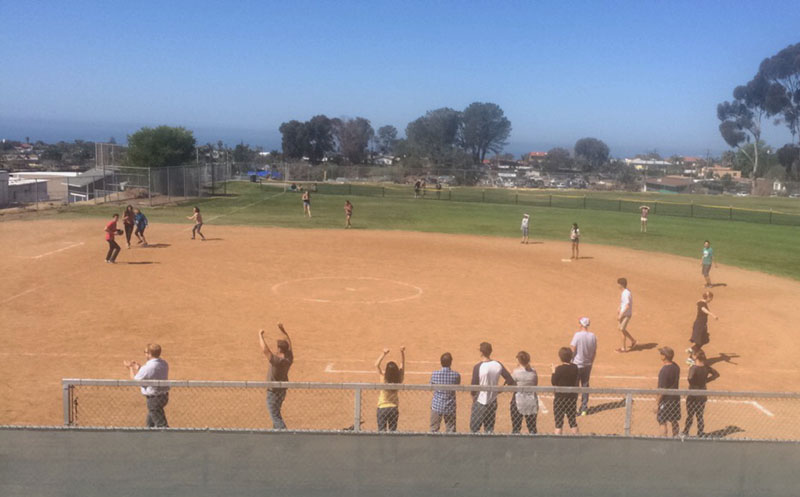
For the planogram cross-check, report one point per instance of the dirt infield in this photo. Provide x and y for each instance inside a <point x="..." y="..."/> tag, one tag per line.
<point x="344" y="295"/>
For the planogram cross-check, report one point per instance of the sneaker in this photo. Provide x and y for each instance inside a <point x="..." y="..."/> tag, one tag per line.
<point x="690" y="361"/>
<point x="689" y="351"/>
<point x="584" y="413"/>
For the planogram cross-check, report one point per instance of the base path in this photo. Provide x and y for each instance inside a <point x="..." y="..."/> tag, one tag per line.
<point x="345" y="295"/>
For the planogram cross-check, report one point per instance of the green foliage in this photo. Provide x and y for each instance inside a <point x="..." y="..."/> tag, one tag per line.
<point x="354" y="136"/>
<point x="160" y="147"/>
<point x="557" y="159"/>
<point x="386" y="139"/>
<point x="484" y="128"/>
<point x="592" y="152"/>
<point x="434" y="135"/>
<point x="313" y="139"/>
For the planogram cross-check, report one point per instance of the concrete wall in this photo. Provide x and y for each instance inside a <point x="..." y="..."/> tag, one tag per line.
<point x="3" y="188"/>
<point x="176" y="463"/>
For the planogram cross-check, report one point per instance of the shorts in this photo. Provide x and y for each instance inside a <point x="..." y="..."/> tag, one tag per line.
<point x="565" y="406"/>
<point x="644" y="219"/>
<point x="140" y="230"/>
<point x="668" y="411"/>
<point x="525" y="231"/>
<point x="306" y="203"/>
<point x="575" y="240"/>
<point x="706" y="269"/>
<point x="623" y="323"/>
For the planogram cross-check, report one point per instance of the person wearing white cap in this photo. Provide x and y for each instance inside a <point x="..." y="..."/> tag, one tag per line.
<point x="584" y="349"/>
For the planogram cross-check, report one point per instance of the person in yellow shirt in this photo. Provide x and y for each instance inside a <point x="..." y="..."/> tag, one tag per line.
<point x="388" y="400"/>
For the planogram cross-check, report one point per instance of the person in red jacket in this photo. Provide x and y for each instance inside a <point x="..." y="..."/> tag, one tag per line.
<point x="113" y="247"/>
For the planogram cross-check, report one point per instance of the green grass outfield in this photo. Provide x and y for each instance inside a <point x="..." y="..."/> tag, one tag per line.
<point x="764" y="247"/>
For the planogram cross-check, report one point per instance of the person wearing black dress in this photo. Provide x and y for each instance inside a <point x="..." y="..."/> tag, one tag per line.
<point x="700" y="334"/>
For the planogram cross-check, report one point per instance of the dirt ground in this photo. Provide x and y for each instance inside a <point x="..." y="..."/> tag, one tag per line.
<point x="345" y="295"/>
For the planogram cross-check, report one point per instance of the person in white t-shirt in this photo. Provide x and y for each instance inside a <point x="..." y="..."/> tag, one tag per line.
<point x="157" y="397"/>
<point x="484" y="406"/>
<point x="524" y="227"/>
<point x="624" y="315"/>
<point x="584" y="350"/>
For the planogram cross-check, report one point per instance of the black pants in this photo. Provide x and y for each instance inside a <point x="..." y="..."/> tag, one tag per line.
<point x="128" y="231"/>
<point x="565" y="406"/>
<point x="113" y="251"/>
<point x="387" y="418"/>
<point x="516" y="419"/>
<point x="155" y="411"/>
<point x="695" y="408"/>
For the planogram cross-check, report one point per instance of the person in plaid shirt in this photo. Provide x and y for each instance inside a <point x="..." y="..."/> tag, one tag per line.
<point x="443" y="404"/>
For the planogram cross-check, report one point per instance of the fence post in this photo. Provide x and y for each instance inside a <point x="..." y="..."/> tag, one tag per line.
<point x="730" y="213"/>
<point x="628" y="413"/>
<point x="183" y="168"/>
<point x="655" y="207"/>
<point x="357" y="410"/>
<point x="149" y="187"/>
<point x="87" y="194"/>
<point x="383" y="191"/>
<point x="516" y="198"/>
<point x="770" y="216"/>
<point x="349" y="188"/>
<point x="168" y="196"/>
<point x="483" y="195"/>
<point x="550" y="201"/>
<point x="691" y="209"/>
<point x="584" y="201"/>
<point x="619" y="205"/>
<point x="450" y="194"/>
<point x="66" y="403"/>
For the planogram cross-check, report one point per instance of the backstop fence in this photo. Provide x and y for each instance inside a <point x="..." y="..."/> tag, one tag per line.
<point x="459" y="408"/>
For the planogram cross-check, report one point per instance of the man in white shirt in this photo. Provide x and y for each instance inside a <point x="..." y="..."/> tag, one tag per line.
<point x="624" y="315"/>
<point x="584" y="349"/>
<point x="484" y="406"/>
<point x="157" y="397"/>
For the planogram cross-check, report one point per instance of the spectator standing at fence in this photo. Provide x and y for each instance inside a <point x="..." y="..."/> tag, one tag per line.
<point x="624" y="315"/>
<point x="307" y="203"/>
<point x="645" y="210"/>
<point x="141" y="223"/>
<point x="279" y="364"/>
<point x="417" y="185"/>
<point x="699" y="375"/>
<point x="707" y="260"/>
<point x="198" y="223"/>
<point x="155" y="368"/>
<point x="524" y="405"/>
<point x="564" y="404"/>
<point x="484" y="406"/>
<point x="524" y="227"/>
<point x="575" y="238"/>
<point x="584" y="350"/>
<point x="700" y="335"/>
<point x="388" y="399"/>
<point x="348" y="213"/>
<point x="668" y="407"/>
<point x="113" y="248"/>
<point x="443" y="404"/>
<point x="128" y="221"/>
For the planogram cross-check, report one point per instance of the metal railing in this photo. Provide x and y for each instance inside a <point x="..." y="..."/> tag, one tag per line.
<point x="353" y="407"/>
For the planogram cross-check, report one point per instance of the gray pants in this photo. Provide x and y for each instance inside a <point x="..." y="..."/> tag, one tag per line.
<point x="155" y="411"/>
<point x="583" y="375"/>
<point x="449" y="421"/>
<point x="274" y="402"/>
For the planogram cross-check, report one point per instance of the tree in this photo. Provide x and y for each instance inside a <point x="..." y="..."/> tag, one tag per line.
<point x="789" y="157"/>
<point x="354" y="136"/>
<point x="435" y="134"/>
<point x="743" y="115"/>
<point x="593" y="152"/>
<point x="782" y="72"/>
<point x="484" y="128"/>
<point x="160" y="147"/>
<point x="243" y="153"/>
<point x="387" y="137"/>
<point x="557" y="159"/>
<point x="293" y="139"/>
<point x="319" y="138"/>
<point x="727" y="181"/>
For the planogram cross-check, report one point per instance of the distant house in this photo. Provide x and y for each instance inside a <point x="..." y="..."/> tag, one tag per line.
<point x="15" y="190"/>
<point x="717" y="172"/>
<point x="668" y="184"/>
<point x="89" y="184"/>
<point x="648" y="164"/>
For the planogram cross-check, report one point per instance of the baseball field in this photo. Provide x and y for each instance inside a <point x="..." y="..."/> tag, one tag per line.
<point x="432" y="276"/>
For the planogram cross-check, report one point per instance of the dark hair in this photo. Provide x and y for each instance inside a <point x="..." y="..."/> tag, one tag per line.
<point x="129" y="208"/>
<point x="623" y="282"/>
<point x="446" y="359"/>
<point x="196" y="209"/>
<point x="700" y="355"/>
<point x="283" y="346"/>
<point x="486" y="349"/>
<point x="115" y="214"/>
<point x="574" y="225"/>
<point x="708" y="295"/>
<point x="524" y="358"/>
<point x="392" y="373"/>
<point x="565" y="354"/>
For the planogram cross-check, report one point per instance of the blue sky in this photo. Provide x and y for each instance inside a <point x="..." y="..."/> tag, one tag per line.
<point x="639" y="75"/>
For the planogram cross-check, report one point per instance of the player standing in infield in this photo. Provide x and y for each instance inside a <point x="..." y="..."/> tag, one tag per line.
<point x="624" y="315"/>
<point x="113" y="247"/>
<point x="524" y="227"/>
<point x="575" y="237"/>
<point x="198" y="223"/>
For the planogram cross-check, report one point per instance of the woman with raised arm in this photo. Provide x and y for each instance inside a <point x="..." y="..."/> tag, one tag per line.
<point x="388" y="399"/>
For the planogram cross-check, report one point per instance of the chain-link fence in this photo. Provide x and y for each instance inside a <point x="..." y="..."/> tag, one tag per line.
<point x="412" y="409"/>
